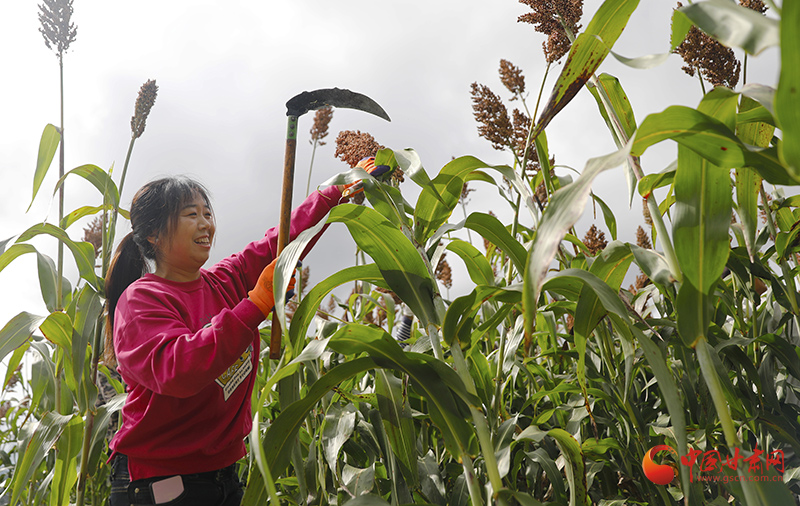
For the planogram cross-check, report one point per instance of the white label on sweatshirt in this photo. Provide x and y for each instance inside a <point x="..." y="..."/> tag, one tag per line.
<point x="237" y="373"/>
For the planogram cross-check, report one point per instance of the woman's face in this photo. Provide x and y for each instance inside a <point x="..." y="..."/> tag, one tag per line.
<point x="180" y="256"/>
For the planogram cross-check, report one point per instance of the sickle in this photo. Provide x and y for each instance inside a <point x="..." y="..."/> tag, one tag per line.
<point x="296" y="107"/>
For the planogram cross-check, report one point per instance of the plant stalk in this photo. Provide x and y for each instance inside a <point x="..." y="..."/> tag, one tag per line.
<point x="498" y="377"/>
<point x="109" y="243"/>
<point x="436" y="343"/>
<point x="481" y="427"/>
<point x="59" y="281"/>
<point x="523" y="163"/>
<point x="311" y="167"/>
<point x="60" y="265"/>
<point x="88" y="427"/>
<point x="715" y="389"/>
<point x="473" y="485"/>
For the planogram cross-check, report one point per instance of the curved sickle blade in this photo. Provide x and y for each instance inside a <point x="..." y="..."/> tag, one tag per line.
<point x="334" y="97"/>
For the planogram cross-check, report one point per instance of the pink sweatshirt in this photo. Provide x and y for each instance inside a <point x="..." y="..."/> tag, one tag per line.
<point x="188" y="352"/>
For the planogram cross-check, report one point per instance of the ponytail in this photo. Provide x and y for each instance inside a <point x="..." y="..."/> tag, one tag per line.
<point x="127" y="266"/>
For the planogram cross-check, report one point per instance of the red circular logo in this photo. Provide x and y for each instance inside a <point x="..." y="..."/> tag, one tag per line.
<point x="660" y="474"/>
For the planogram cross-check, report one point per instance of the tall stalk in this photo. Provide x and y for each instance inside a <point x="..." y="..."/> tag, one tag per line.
<point x="60" y="264"/>
<point x="58" y="33"/>
<point x="528" y="143"/>
<point x="144" y="103"/>
<point x="319" y="131"/>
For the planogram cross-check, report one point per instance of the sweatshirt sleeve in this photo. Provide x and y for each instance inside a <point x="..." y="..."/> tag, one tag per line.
<point x="244" y="268"/>
<point x="156" y="349"/>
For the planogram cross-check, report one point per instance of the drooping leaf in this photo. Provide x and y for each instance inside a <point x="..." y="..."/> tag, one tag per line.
<point x="787" y="354"/>
<point x="542" y="153"/>
<point x="652" y="182"/>
<point x="438" y="199"/>
<point x="287" y="264"/>
<point x="480" y="272"/>
<point x="388" y="201"/>
<point x="575" y="469"/>
<point x="357" y="480"/>
<point x="492" y="229"/>
<point x="262" y="483"/>
<point x="703" y="134"/>
<point x="399" y="261"/>
<point x="87" y="315"/>
<point x="43" y="377"/>
<point x="13" y="363"/>
<point x="431" y="482"/>
<point x="734" y="25"/>
<point x="308" y="307"/>
<point x="409" y="160"/>
<point x="502" y="445"/>
<point x="610" y="87"/>
<point x="586" y="54"/>
<point x="98" y="178"/>
<point x="711" y="139"/>
<point x="550" y="468"/>
<point x="48" y="144"/>
<point x="310" y="353"/>
<point x="563" y="212"/>
<point x="644" y="62"/>
<point x="82" y="252"/>
<point x="82" y="212"/>
<point x="18" y="330"/>
<point x="13" y="252"/>
<point x="764" y="95"/>
<point x="459" y="319"/>
<point x="100" y="430"/>
<point x="653" y="265"/>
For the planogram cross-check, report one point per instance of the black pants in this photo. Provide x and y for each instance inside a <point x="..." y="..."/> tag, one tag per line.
<point x="215" y="488"/>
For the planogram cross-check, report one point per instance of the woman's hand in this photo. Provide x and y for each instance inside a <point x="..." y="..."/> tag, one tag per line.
<point x="262" y="295"/>
<point x="368" y="164"/>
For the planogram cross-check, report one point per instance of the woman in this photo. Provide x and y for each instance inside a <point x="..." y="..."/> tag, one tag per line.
<point x="187" y="345"/>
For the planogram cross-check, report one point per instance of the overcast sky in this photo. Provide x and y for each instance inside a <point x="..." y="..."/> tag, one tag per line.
<point x="225" y="71"/>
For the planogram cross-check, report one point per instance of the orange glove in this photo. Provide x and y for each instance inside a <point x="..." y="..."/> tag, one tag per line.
<point x="262" y="295"/>
<point x="368" y="164"/>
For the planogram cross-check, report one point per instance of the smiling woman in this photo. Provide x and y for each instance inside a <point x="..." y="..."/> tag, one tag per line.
<point x="186" y="343"/>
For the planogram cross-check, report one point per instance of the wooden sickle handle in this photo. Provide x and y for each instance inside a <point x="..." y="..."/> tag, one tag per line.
<point x="285" y="223"/>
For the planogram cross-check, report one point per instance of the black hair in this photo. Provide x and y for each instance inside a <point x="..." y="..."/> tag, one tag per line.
<point x="154" y="213"/>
